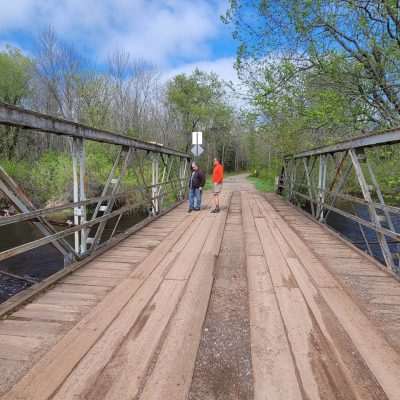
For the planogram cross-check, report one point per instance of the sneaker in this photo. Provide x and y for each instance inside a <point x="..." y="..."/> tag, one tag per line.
<point x="190" y="210"/>
<point x="196" y="209"/>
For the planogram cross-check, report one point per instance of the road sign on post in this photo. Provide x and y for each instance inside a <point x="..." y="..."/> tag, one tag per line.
<point x="197" y="141"/>
<point x="197" y="150"/>
<point x="197" y="137"/>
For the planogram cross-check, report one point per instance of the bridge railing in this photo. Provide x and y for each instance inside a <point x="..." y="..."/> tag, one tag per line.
<point x="339" y="182"/>
<point x="160" y="183"/>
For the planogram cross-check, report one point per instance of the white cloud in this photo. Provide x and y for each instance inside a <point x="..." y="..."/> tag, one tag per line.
<point x="154" y="30"/>
<point x="222" y="67"/>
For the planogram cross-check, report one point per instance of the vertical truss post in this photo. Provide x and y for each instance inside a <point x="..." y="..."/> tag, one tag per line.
<point x="309" y="186"/>
<point x="116" y="184"/>
<point x="182" y="178"/>
<point x="165" y="179"/>
<point x="355" y="158"/>
<point x="295" y="181"/>
<point x="341" y="182"/>
<point x="108" y="183"/>
<point x="281" y="180"/>
<point x="362" y="230"/>
<point x="78" y="169"/>
<point x="290" y="178"/>
<point x="180" y="194"/>
<point x="380" y="196"/>
<point x="321" y="187"/>
<point x="155" y="184"/>
<point x="186" y="163"/>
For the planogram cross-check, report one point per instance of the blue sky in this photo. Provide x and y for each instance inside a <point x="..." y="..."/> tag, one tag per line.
<point x="175" y="35"/>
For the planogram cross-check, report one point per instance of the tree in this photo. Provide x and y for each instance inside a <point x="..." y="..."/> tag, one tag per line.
<point x="198" y="100"/>
<point x="366" y="34"/>
<point x="15" y="76"/>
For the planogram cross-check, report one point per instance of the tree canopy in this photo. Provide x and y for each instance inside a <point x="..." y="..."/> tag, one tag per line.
<point x="318" y="71"/>
<point x="15" y="74"/>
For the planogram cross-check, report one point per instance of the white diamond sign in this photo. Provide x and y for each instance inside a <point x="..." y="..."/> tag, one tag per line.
<point x="197" y="150"/>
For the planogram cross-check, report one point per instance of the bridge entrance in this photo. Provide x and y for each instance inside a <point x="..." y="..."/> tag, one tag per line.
<point x="305" y="315"/>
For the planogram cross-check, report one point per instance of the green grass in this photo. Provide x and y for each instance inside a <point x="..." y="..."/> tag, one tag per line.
<point x="263" y="184"/>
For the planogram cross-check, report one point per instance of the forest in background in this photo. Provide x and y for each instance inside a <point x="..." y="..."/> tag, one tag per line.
<point x="310" y="72"/>
<point x="128" y="96"/>
<point x="317" y="72"/>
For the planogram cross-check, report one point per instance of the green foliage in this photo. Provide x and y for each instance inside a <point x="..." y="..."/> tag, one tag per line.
<point x="48" y="178"/>
<point x="263" y="179"/>
<point x="198" y="100"/>
<point x="15" y="73"/>
<point x="194" y="97"/>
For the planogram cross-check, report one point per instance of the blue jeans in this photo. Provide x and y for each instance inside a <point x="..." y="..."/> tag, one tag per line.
<point x="194" y="198"/>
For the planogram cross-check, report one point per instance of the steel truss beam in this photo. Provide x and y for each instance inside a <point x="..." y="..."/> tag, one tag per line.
<point x="84" y="243"/>
<point x="355" y="158"/>
<point x="24" y="119"/>
<point x="347" y="157"/>
<point x="373" y="140"/>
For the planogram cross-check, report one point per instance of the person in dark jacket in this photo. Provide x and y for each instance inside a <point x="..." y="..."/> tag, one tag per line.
<point x="196" y="184"/>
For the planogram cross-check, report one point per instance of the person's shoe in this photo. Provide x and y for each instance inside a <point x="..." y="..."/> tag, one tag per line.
<point x="196" y="209"/>
<point x="214" y="211"/>
<point x="190" y="210"/>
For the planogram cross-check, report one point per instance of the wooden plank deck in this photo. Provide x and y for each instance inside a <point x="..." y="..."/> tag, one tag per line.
<point x="324" y="318"/>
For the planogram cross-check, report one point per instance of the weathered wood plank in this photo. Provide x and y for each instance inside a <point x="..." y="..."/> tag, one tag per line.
<point x="280" y="272"/>
<point x="17" y="348"/>
<point x="274" y="370"/>
<point x="48" y="374"/>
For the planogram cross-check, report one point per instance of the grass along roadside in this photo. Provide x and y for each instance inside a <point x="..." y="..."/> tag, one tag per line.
<point x="264" y="184"/>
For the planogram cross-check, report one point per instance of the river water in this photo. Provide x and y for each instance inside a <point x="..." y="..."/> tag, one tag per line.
<point x="39" y="263"/>
<point x="352" y="231"/>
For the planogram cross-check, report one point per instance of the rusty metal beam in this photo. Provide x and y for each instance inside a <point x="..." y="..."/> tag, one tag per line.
<point x="375" y="139"/>
<point x="26" y="119"/>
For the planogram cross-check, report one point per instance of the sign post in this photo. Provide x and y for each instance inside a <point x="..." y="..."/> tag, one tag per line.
<point x="197" y="141"/>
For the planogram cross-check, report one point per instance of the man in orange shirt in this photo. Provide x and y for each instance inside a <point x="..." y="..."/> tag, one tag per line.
<point x="217" y="179"/>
